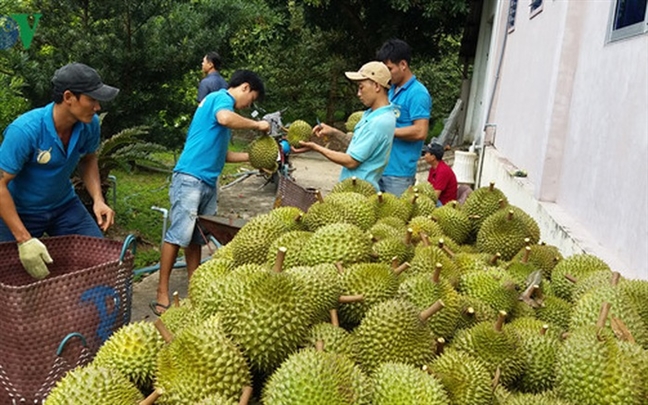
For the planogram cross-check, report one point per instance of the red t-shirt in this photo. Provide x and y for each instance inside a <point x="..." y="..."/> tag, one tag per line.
<point x="444" y="179"/>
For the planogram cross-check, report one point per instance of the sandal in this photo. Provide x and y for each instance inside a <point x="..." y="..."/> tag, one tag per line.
<point x="154" y="305"/>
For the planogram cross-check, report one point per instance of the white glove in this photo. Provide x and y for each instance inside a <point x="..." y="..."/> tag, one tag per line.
<point x="33" y="255"/>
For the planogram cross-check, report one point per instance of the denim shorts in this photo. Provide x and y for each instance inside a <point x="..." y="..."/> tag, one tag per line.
<point x="190" y="197"/>
<point x="71" y="218"/>
<point x="395" y="185"/>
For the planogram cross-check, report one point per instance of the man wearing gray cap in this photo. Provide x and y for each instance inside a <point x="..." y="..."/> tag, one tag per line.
<point x="41" y="149"/>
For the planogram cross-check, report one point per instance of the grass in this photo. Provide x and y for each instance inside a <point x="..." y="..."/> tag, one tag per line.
<point x="136" y="192"/>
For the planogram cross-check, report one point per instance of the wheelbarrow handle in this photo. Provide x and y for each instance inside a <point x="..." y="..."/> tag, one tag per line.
<point x="130" y="241"/>
<point x="68" y="337"/>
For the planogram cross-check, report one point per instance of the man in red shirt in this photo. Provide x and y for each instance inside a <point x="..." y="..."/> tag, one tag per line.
<point x="441" y="175"/>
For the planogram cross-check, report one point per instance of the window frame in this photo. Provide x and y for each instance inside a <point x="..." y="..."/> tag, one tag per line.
<point x="625" y="32"/>
<point x="537" y="10"/>
<point x="513" y="5"/>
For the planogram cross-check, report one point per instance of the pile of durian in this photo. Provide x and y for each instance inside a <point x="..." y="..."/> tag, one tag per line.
<point x="368" y="298"/>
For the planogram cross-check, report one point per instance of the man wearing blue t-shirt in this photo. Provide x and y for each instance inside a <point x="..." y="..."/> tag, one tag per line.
<point x="41" y="149"/>
<point x="413" y="104"/>
<point x="368" y="152"/>
<point x="212" y="81"/>
<point x="195" y="176"/>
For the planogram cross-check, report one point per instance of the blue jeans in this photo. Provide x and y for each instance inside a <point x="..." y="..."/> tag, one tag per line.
<point x="69" y="219"/>
<point x="190" y="197"/>
<point x="395" y="185"/>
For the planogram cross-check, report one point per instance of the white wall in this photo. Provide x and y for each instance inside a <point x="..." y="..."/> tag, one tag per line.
<point x="573" y="111"/>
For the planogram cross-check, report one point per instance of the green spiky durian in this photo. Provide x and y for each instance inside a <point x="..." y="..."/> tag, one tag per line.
<point x="355" y="208"/>
<point x="337" y="242"/>
<point x="201" y="361"/>
<point x="251" y="242"/>
<point x="505" y="232"/>
<point x="322" y="287"/>
<point x="292" y="217"/>
<point x="311" y="377"/>
<point x="263" y="152"/>
<point x="424" y="224"/>
<point x="298" y="130"/>
<point x="352" y="120"/>
<point x="474" y="311"/>
<point x="423" y="188"/>
<point x="394" y="330"/>
<point x="389" y="248"/>
<point x="397" y="383"/>
<point x="132" y="350"/>
<point x="419" y="204"/>
<point x="577" y="266"/>
<point x="388" y="205"/>
<point x="204" y="275"/>
<point x="495" y="287"/>
<point x="544" y="257"/>
<point x="483" y="202"/>
<point x="355" y="185"/>
<point x="334" y="338"/>
<point x="381" y="230"/>
<point x="217" y="399"/>
<point x="465" y="378"/>
<point x="556" y="311"/>
<point x="545" y="398"/>
<point x="293" y="241"/>
<point x="453" y="221"/>
<point x="426" y="259"/>
<point x="92" y="385"/>
<point x="178" y="317"/>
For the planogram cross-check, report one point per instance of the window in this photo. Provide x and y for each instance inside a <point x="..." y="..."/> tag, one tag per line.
<point x="536" y="8"/>
<point x="511" y="15"/>
<point x="629" y="17"/>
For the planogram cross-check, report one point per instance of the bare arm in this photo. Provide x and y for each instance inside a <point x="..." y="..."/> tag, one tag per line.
<point x="416" y="132"/>
<point x="236" y="157"/>
<point x="232" y="120"/>
<point x="340" y="158"/>
<point x="327" y="130"/>
<point x="89" y="169"/>
<point x="8" y="211"/>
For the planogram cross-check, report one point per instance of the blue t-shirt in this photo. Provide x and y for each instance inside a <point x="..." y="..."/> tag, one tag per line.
<point x="209" y="84"/>
<point x="205" y="150"/>
<point x="370" y="145"/>
<point x="412" y="102"/>
<point x="33" y="151"/>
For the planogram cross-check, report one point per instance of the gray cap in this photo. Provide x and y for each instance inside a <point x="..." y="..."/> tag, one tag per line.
<point x="82" y="79"/>
<point x="434" y="149"/>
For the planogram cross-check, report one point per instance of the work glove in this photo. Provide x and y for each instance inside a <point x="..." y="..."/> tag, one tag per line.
<point x="33" y="256"/>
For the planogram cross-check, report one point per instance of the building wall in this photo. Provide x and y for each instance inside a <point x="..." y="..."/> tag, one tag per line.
<point x="572" y="110"/>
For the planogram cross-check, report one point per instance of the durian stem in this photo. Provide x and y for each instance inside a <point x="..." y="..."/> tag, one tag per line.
<point x="445" y="248"/>
<point x="433" y="309"/>
<point x="510" y="215"/>
<point x="246" y="395"/>
<point x="603" y="314"/>
<point x="571" y="278"/>
<point x="543" y="330"/>
<point x="164" y="332"/>
<point x="354" y="180"/>
<point x="408" y="236"/>
<point x="437" y="273"/>
<point x="527" y="253"/>
<point x="470" y="311"/>
<point x="496" y="378"/>
<point x="279" y="261"/>
<point x="277" y="202"/>
<point x="501" y="203"/>
<point x="349" y="299"/>
<point x="501" y="316"/>
<point x="424" y="239"/>
<point x="494" y="259"/>
<point x="491" y="186"/>
<point x="538" y="292"/>
<point x="616" y="276"/>
<point x="440" y="346"/>
<point x="150" y="400"/>
<point x="527" y="241"/>
<point x="318" y="195"/>
<point x="394" y="262"/>
<point x="339" y="267"/>
<point x="380" y="197"/>
<point x="414" y="199"/>
<point x="335" y="321"/>
<point x="176" y="299"/>
<point x="319" y="345"/>
<point x="401" y="268"/>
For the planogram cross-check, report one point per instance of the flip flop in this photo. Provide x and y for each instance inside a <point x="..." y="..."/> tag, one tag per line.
<point x="154" y="305"/>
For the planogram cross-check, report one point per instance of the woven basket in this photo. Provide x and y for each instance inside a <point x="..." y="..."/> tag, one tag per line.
<point x="292" y="194"/>
<point x="52" y="325"/>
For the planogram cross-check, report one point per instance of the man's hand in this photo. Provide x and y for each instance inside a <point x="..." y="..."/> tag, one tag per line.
<point x="33" y="256"/>
<point x="263" y="126"/>
<point x="104" y="214"/>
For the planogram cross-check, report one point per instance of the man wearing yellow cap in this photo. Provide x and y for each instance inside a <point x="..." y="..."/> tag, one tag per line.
<point x="368" y="153"/>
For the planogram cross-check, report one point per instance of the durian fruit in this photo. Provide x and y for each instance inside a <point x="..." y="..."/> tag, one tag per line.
<point x="355" y="185"/>
<point x="542" y="256"/>
<point x="376" y="282"/>
<point x="352" y="120"/>
<point x="470" y="262"/>
<point x="539" y="347"/>
<point x="92" y="385"/>
<point x="473" y="311"/>
<point x="545" y="398"/>
<point x="425" y="290"/>
<point x="337" y="242"/>
<point x="293" y="241"/>
<point x="181" y="314"/>
<point x="332" y="337"/>
<point x="426" y="260"/>
<point x="591" y="281"/>
<point x="637" y="291"/>
<point x="556" y="311"/>
<point x="424" y="225"/>
<point x="310" y="377"/>
<point x="299" y="130"/>
<point x="389" y="248"/>
<point x="292" y="217"/>
<point x="388" y="205"/>
<point x="322" y="287"/>
<point x="496" y="347"/>
<point x="394" y="221"/>
<point x="201" y="361"/>
<point x="251" y="242"/>
<point x="267" y="316"/>
<point x="494" y="287"/>
<point x="593" y="368"/>
<point x="381" y="230"/>
<point x="397" y="383"/>
<point x="572" y="269"/>
<point x="217" y="399"/>
<point x="355" y="208"/>
<point x="395" y="330"/>
<point x="465" y="378"/>
<point x="203" y="276"/>
<point x="505" y="232"/>
<point x="423" y="188"/>
<point x="483" y="202"/>
<point x="419" y="204"/>
<point x="132" y="350"/>
<point x="264" y="152"/>
<point x="453" y="221"/>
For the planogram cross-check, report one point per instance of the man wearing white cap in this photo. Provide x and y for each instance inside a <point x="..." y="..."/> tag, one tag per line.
<point x="41" y="149"/>
<point x="368" y="153"/>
